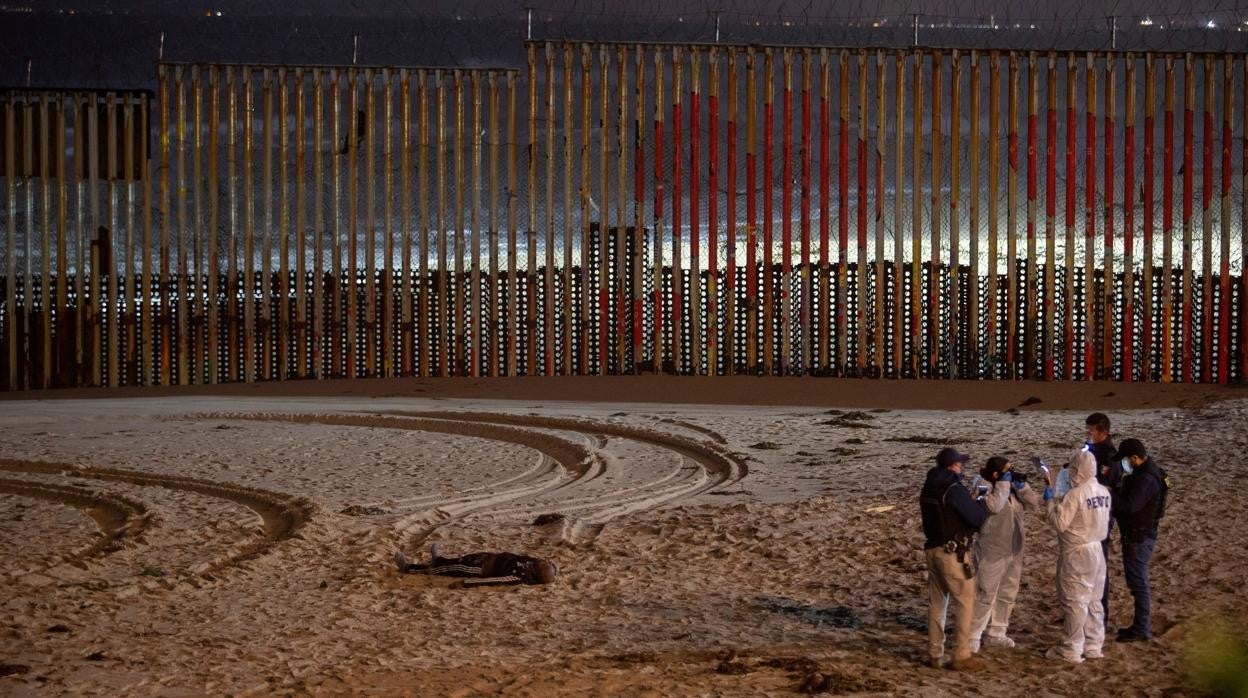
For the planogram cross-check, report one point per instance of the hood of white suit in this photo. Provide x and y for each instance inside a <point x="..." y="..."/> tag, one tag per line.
<point x="1082" y="468"/>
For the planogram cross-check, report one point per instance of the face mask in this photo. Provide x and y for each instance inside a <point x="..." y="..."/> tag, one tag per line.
<point x="1126" y="466"/>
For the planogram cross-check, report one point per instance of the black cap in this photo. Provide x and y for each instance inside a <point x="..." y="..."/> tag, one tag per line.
<point x="949" y="456"/>
<point x="1132" y="447"/>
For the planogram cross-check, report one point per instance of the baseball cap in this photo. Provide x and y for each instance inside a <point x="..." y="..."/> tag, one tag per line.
<point x="1132" y="447"/>
<point x="949" y="456"/>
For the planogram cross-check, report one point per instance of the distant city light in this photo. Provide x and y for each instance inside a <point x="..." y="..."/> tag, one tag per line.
<point x="1210" y="25"/>
<point x="1146" y="22"/>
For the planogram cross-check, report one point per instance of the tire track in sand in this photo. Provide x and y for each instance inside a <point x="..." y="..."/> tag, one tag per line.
<point x="119" y="519"/>
<point x="282" y="515"/>
<point x="562" y="463"/>
<point x="715" y="466"/>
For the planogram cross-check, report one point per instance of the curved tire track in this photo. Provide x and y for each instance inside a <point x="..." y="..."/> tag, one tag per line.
<point x="714" y="435"/>
<point x="726" y="467"/>
<point x="564" y="463"/>
<point x="717" y="467"/>
<point x="281" y="514"/>
<point x="118" y="518"/>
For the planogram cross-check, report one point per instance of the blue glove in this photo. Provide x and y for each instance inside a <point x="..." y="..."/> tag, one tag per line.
<point x="1007" y="476"/>
<point x="1048" y="493"/>
<point x="1019" y="485"/>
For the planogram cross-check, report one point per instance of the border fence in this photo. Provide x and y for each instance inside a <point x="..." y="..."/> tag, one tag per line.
<point x="617" y="208"/>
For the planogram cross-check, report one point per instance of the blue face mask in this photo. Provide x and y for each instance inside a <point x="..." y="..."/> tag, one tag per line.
<point x="1126" y="466"/>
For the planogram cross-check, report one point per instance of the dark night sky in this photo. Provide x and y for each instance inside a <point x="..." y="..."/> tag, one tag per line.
<point x="114" y="43"/>
<point x="1070" y="9"/>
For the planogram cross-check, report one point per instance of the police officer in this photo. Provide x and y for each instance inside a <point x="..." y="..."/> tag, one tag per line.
<point x="1109" y="474"/>
<point x="1138" y="508"/>
<point x="950" y="520"/>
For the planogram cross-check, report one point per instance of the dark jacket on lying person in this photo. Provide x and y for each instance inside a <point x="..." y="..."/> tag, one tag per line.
<point x="486" y="569"/>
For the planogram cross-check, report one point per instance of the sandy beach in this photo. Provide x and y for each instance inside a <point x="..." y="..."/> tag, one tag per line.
<point x="727" y="536"/>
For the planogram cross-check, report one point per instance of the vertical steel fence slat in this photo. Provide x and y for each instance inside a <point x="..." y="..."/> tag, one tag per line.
<point x="1089" y="234"/>
<point x="1206" y="227"/>
<point x="1010" y="323"/>
<point x="1049" y="334"/>
<point x="1148" y="346"/>
<point x="767" y="193"/>
<point x="513" y="186"/>
<point x="1224" y="211"/>
<point x="582" y="349"/>
<point x="695" y="230"/>
<point x="1107" y="266"/>
<point x="1129" y="200"/>
<point x="786" y="209"/>
<point x="934" y="272"/>
<point x="657" y="247"/>
<point x="860" y="314"/>
<point x="622" y="266"/>
<point x="952" y="337"/>
<point x="1030" y="288"/>
<point x="639" y="214"/>
<point x="842" y="215"/>
<point x="972" y="296"/>
<point x="11" y="312"/>
<point x="879" y="330"/>
<point x="712" y="215"/>
<point x="825" y="206"/>
<point x="459" y="337"/>
<point x="1189" y="167"/>
<point x="677" y="295"/>
<point x="474" y="335"/>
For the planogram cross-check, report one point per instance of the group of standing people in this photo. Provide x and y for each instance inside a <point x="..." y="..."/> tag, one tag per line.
<point x="975" y="540"/>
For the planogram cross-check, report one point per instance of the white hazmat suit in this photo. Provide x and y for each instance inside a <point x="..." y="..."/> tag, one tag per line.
<point x="1081" y="519"/>
<point x="999" y="552"/>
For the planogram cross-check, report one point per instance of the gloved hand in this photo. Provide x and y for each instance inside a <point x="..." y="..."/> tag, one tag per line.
<point x="1019" y="484"/>
<point x="1048" y="493"/>
<point x="1007" y="476"/>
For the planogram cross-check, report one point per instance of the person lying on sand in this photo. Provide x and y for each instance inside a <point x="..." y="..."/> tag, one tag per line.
<point x="482" y="569"/>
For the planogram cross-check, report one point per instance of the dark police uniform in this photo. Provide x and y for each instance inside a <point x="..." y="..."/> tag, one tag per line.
<point x="950" y="520"/>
